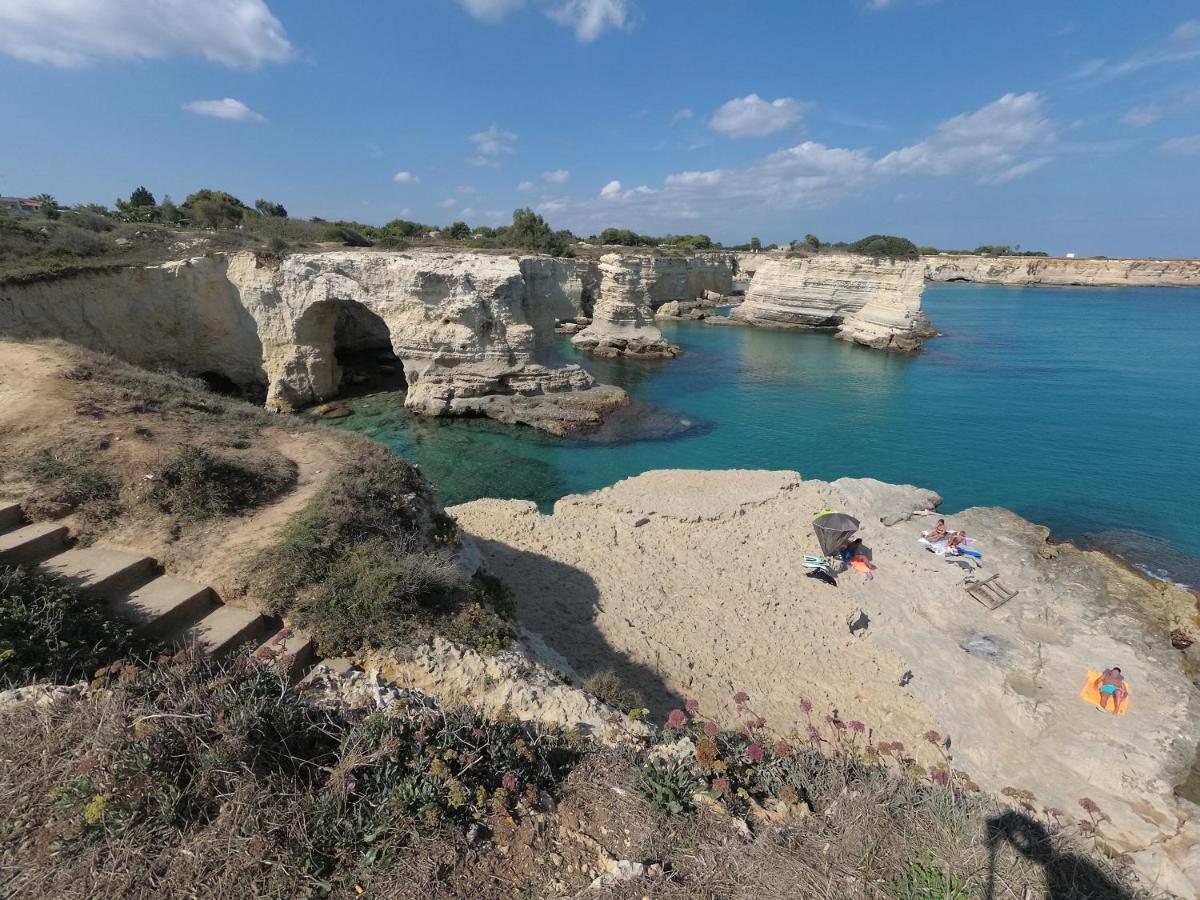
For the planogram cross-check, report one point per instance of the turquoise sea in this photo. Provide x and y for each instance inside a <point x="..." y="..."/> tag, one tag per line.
<point x="1076" y="407"/>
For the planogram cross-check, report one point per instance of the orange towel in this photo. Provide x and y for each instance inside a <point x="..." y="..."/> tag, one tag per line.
<point x="1091" y="692"/>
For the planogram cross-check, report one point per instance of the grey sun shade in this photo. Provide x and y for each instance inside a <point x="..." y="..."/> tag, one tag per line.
<point x="834" y="529"/>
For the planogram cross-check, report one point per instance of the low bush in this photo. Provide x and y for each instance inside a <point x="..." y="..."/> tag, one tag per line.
<point x="198" y="778"/>
<point x="71" y="481"/>
<point x="48" y="633"/>
<point x="607" y="687"/>
<point x="72" y="241"/>
<point x="196" y="484"/>
<point x="367" y="564"/>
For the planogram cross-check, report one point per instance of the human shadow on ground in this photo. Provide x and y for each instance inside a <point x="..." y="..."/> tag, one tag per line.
<point x="560" y="603"/>
<point x="1068" y="876"/>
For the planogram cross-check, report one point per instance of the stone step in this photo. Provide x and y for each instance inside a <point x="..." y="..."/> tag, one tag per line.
<point x="336" y="665"/>
<point x="98" y="571"/>
<point x="163" y="605"/>
<point x="11" y="515"/>
<point x="224" y="629"/>
<point x="32" y="542"/>
<point x="294" y="650"/>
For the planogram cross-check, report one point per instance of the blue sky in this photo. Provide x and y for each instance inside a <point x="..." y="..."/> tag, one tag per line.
<point x="1065" y="126"/>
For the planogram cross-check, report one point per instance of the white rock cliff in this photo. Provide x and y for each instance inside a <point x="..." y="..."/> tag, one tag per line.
<point x="1059" y="271"/>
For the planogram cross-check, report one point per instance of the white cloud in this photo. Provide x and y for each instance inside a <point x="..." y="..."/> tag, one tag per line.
<point x="525" y="187"/>
<point x="752" y="116"/>
<point x="71" y="33"/>
<point x="467" y="212"/>
<point x="449" y="203"/>
<point x="1182" y="146"/>
<point x="406" y="178"/>
<point x="466" y="190"/>
<point x="1141" y="116"/>
<point x="981" y="141"/>
<point x="682" y="116"/>
<point x="224" y="109"/>
<point x="1020" y="170"/>
<point x="490" y="145"/>
<point x="589" y="19"/>
<point x="1182" y="45"/>
<point x="558" y="176"/>
<point x="995" y="144"/>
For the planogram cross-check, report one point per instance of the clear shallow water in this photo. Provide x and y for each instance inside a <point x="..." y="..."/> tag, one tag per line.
<point x="1075" y="407"/>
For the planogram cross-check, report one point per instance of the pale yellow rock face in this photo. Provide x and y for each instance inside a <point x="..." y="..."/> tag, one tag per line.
<point x="1060" y="271"/>
<point x="632" y="285"/>
<point x="474" y="332"/>
<point x="692" y="584"/>
<point x="876" y="303"/>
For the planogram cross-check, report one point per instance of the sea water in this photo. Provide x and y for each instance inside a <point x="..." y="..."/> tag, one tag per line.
<point x="1078" y="408"/>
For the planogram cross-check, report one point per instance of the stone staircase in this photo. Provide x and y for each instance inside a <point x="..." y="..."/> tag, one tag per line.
<point x="162" y="607"/>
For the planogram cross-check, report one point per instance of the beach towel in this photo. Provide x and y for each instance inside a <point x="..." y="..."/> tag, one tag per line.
<point x="1091" y="693"/>
<point x="862" y="564"/>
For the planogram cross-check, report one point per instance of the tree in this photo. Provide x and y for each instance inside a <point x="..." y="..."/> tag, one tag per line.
<point x="168" y="212"/>
<point x="214" y="209"/>
<point x="48" y="206"/>
<point x="484" y="231"/>
<point x="529" y="231"/>
<point x="812" y="242"/>
<point x="402" y="228"/>
<point x="141" y="197"/>
<point x="755" y="244"/>
<point x="887" y="246"/>
<point x="267" y="208"/>
<point x="458" y="231"/>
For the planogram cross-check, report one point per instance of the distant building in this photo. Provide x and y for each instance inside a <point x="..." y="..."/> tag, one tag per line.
<point x="19" y="206"/>
<point x="1070" y="256"/>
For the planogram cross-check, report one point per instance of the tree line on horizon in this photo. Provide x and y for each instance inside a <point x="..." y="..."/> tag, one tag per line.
<point x="220" y="211"/>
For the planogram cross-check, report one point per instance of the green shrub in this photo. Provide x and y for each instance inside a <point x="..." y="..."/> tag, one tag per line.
<point x="74" y="481"/>
<point x="607" y="687"/>
<point x="669" y="786"/>
<point x="372" y="595"/>
<point x="481" y="629"/>
<point x="194" y="484"/>
<point x="69" y="240"/>
<point x="922" y="879"/>
<point x="48" y="633"/>
<point x="885" y="246"/>
<point x="229" y="766"/>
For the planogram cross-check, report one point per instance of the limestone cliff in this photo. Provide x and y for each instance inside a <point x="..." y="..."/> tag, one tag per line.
<point x="473" y="334"/>
<point x="667" y="278"/>
<point x="1055" y="271"/>
<point x="874" y="302"/>
<point x="622" y="321"/>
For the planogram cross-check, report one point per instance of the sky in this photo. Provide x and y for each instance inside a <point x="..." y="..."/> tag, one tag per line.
<point x="1053" y="124"/>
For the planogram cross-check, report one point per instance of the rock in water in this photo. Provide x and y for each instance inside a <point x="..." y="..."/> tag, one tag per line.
<point x="872" y="302"/>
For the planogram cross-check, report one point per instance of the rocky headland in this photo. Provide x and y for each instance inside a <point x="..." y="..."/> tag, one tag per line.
<point x="872" y="302"/>
<point x="1063" y="272"/>
<point x="695" y="582"/>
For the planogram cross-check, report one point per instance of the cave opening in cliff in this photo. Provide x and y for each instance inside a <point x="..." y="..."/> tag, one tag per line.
<point x="362" y="348"/>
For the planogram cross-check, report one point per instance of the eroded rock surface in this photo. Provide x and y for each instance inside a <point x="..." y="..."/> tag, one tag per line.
<point x="692" y="584"/>
<point x="622" y="321"/>
<point x="876" y="303"/>
<point x="474" y="332"/>
<point x="1061" y="271"/>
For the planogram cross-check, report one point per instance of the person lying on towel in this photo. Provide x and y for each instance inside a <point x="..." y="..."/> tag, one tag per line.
<point x="1112" y="687"/>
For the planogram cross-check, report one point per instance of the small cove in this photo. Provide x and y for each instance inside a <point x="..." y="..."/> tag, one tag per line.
<point x="1075" y="407"/>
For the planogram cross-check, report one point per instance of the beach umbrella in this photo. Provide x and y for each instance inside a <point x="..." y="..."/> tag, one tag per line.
<point x="834" y="529"/>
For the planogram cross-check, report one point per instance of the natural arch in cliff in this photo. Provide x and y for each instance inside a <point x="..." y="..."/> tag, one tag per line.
<point x="339" y="345"/>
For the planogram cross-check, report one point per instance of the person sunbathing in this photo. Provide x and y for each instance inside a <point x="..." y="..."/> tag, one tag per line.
<point x="956" y="540"/>
<point x="1112" y="686"/>
<point x="938" y="532"/>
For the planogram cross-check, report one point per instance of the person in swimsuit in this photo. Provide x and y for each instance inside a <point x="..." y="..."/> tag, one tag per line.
<point x="1112" y="687"/>
<point x="938" y="533"/>
<point x="957" y="538"/>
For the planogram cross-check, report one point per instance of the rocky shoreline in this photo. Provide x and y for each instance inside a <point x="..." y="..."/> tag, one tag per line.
<point x="694" y="582"/>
